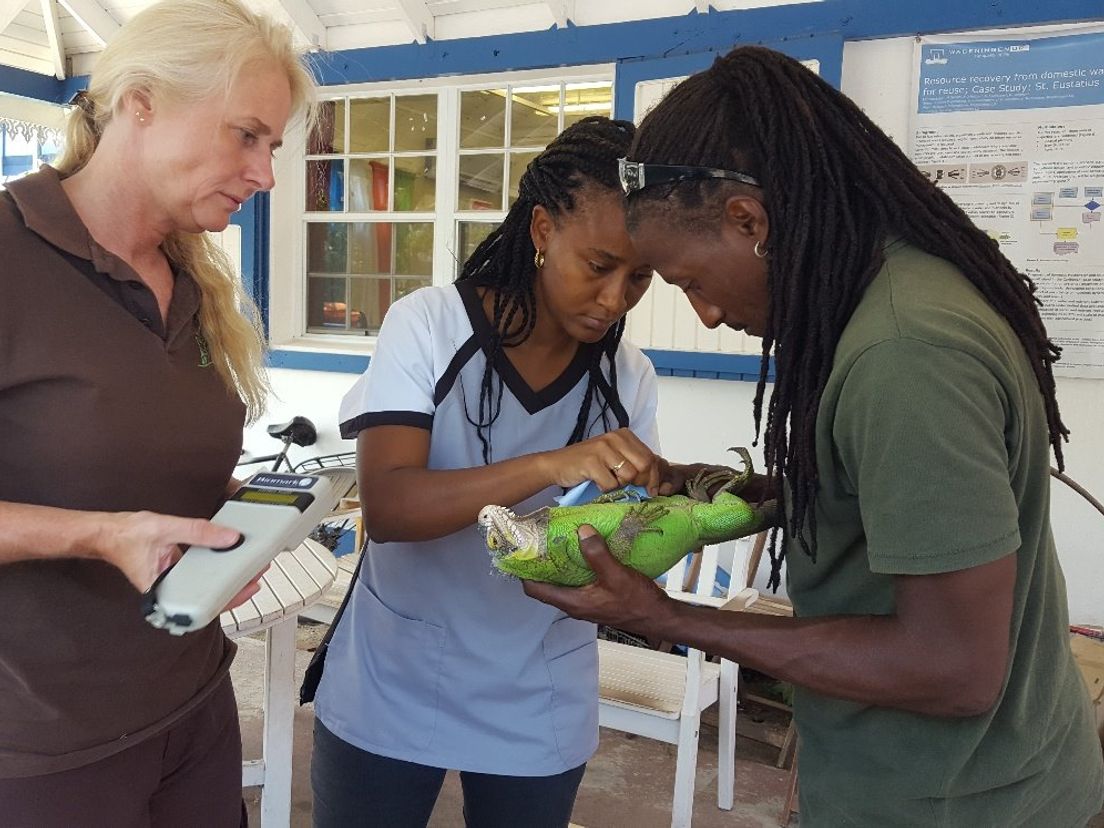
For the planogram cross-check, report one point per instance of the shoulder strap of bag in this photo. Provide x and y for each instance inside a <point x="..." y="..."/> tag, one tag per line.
<point x="313" y="676"/>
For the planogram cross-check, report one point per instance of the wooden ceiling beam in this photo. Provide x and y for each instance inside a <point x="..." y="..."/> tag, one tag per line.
<point x="418" y="17"/>
<point x="563" y="12"/>
<point x="93" y="17"/>
<point x="306" y="22"/>
<point x="53" y="37"/>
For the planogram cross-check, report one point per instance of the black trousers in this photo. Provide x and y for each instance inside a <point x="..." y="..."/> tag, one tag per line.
<point x="353" y="787"/>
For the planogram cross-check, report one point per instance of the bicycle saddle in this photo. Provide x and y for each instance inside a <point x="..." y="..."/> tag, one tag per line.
<point x="299" y="430"/>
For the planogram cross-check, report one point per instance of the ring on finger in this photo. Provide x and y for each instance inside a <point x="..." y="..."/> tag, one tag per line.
<point x="617" y="468"/>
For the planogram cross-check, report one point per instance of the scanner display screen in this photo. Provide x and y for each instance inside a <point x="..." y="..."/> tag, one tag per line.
<point x="300" y="500"/>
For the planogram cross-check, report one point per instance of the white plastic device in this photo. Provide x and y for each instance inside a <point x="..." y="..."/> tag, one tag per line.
<point x="273" y="512"/>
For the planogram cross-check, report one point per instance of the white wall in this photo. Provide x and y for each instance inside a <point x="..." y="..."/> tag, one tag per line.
<point x="700" y="419"/>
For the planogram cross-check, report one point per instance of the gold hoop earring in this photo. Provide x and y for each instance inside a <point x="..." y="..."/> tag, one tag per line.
<point x="538" y="259"/>
<point x="759" y="254"/>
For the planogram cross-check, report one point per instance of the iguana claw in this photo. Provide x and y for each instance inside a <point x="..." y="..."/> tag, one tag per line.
<point x="618" y="496"/>
<point x="733" y="481"/>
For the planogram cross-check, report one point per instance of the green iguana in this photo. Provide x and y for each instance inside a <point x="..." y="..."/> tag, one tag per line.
<point x="648" y="535"/>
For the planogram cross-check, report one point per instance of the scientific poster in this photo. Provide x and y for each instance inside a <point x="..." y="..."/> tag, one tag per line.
<point x="1013" y="131"/>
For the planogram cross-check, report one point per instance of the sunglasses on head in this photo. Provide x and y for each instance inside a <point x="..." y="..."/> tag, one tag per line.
<point x="636" y="175"/>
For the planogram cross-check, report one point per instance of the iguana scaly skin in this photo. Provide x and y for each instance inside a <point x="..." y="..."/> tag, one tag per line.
<point x="650" y="536"/>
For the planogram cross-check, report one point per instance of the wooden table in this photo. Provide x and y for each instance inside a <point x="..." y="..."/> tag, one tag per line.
<point x="294" y="581"/>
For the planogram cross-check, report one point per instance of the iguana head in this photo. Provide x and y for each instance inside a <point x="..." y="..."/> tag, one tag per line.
<point x="513" y="537"/>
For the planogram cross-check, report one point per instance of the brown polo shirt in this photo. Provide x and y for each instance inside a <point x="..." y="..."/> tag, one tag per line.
<point x="102" y="407"/>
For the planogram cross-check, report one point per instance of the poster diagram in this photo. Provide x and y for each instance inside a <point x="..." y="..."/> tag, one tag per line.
<point x="1013" y="131"/>
<point x="1058" y="214"/>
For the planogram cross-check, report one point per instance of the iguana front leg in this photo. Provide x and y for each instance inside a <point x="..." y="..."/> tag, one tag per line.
<point x="733" y="481"/>
<point x="635" y="523"/>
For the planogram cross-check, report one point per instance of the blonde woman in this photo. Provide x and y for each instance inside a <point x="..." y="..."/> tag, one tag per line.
<point x="127" y="370"/>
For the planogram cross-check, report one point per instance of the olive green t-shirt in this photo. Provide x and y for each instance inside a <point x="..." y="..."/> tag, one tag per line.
<point x="933" y="455"/>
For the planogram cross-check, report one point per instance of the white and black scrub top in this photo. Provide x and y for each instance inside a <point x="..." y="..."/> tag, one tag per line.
<point x="438" y="659"/>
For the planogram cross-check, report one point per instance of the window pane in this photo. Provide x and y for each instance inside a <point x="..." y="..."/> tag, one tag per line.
<point x="415" y="182"/>
<point x="405" y="286"/>
<point x="368" y="184"/>
<point x="583" y="100"/>
<point x="518" y="162"/>
<point x="483" y="118"/>
<point x="326" y="304"/>
<point x="370" y="125"/>
<point x="415" y="123"/>
<point x="329" y="133"/>
<point x="327" y="245"/>
<point x="480" y="182"/>
<point x="534" y="114"/>
<point x="371" y="246"/>
<point x="469" y="234"/>
<point x="325" y="186"/>
<point x="376" y="249"/>
<point x="414" y="248"/>
<point x="369" y="299"/>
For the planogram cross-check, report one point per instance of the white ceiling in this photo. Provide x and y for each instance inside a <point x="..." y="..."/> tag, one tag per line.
<point x="62" y="37"/>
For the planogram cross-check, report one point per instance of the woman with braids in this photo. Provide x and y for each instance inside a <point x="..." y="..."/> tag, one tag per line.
<point x="910" y="426"/>
<point x="127" y="370"/>
<point x="501" y="388"/>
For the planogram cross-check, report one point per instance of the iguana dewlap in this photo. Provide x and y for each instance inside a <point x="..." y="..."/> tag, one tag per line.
<point x="649" y="536"/>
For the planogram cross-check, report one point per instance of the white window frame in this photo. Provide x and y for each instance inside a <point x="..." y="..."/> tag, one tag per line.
<point x="288" y="222"/>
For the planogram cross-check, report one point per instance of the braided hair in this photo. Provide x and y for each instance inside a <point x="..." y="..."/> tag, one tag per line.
<point x="762" y="112"/>
<point x="581" y="157"/>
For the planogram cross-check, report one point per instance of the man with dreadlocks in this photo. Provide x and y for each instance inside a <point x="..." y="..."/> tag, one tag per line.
<point x="501" y="388"/>
<point x="910" y="427"/>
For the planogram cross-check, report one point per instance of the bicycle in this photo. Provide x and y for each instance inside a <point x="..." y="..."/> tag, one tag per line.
<point x="298" y="431"/>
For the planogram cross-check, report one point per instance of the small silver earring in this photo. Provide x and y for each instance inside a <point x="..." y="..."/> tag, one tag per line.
<point x="141" y="118"/>
<point x="759" y="253"/>
<point x="538" y="259"/>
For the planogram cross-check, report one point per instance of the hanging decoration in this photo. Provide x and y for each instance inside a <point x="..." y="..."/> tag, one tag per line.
<point x="29" y="131"/>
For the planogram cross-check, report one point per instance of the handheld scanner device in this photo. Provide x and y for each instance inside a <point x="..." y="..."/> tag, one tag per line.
<point x="273" y="512"/>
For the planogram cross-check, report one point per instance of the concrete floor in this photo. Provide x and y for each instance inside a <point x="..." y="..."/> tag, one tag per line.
<point x="628" y="783"/>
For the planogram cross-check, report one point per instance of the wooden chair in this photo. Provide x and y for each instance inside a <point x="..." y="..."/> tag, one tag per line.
<point x="661" y="696"/>
<point x="769" y="605"/>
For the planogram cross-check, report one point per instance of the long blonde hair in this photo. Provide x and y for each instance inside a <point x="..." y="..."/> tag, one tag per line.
<point x="188" y="51"/>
